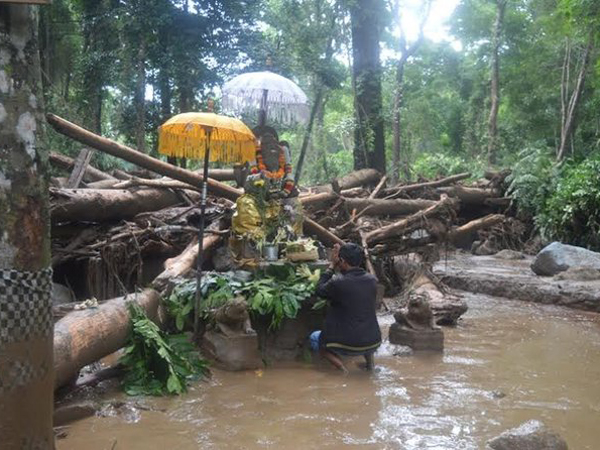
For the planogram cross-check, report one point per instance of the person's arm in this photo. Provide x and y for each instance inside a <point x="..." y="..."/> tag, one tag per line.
<point x="326" y="285"/>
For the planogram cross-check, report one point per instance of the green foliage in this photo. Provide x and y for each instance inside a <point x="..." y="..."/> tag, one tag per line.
<point x="216" y="290"/>
<point x="278" y="295"/>
<point x="157" y="364"/>
<point x="435" y="165"/>
<point x="531" y="179"/>
<point x="572" y="211"/>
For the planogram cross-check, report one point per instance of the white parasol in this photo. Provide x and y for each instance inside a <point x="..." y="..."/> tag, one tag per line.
<point x="280" y="98"/>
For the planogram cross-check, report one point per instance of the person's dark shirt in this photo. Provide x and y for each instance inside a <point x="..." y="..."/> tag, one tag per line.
<point x="351" y="322"/>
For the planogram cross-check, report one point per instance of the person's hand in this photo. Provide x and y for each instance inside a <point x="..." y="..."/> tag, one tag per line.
<point x="334" y="259"/>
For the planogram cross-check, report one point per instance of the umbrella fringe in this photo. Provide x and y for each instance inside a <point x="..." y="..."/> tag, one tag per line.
<point x="281" y="108"/>
<point x="223" y="146"/>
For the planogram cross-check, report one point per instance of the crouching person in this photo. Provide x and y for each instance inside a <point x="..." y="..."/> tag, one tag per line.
<point x="351" y="327"/>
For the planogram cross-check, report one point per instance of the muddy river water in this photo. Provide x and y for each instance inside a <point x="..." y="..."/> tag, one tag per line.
<point x="506" y="362"/>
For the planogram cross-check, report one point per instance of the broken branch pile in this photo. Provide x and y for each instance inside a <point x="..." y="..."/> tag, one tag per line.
<point x="122" y="232"/>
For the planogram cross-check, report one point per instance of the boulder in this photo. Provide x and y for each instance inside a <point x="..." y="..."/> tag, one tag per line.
<point x="558" y="257"/>
<point x="532" y="435"/>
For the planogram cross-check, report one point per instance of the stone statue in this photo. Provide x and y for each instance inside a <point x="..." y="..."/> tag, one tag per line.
<point x="269" y="211"/>
<point x="232" y="319"/>
<point x="417" y="315"/>
<point x="415" y="326"/>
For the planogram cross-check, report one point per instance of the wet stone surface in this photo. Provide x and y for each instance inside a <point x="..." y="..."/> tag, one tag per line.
<point x="514" y="279"/>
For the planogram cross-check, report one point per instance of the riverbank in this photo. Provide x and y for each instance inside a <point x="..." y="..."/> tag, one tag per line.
<point x="514" y="279"/>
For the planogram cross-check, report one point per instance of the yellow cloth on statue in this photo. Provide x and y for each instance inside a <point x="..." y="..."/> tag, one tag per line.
<point x="247" y="221"/>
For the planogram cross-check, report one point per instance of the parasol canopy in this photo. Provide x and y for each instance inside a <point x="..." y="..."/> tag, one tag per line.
<point x="281" y="98"/>
<point x="190" y="134"/>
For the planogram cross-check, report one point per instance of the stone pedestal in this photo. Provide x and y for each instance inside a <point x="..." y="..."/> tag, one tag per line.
<point x="232" y="353"/>
<point x="425" y="339"/>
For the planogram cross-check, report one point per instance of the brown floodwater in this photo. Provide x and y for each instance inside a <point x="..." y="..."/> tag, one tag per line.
<point x="505" y="363"/>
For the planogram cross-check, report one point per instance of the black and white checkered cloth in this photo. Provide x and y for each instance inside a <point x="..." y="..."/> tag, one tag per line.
<point x="25" y="305"/>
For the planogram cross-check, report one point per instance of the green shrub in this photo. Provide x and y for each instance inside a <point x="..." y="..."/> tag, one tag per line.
<point x="156" y="363"/>
<point x="571" y="212"/>
<point x="435" y="165"/>
<point x="531" y="180"/>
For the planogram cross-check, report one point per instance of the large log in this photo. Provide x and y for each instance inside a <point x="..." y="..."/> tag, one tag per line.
<point x="354" y="179"/>
<point x="468" y="195"/>
<point x="83" y="337"/>
<point x="91" y="174"/>
<point x="138" y="158"/>
<point x="121" y="151"/>
<point x="183" y="263"/>
<point x="395" y="192"/>
<point x="408" y="224"/>
<point x="98" y="205"/>
<point x="381" y="207"/>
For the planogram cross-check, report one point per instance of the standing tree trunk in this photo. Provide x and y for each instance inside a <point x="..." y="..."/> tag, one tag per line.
<point x="495" y="89"/>
<point x="93" y="73"/>
<point x="369" y="141"/>
<point x="569" y="110"/>
<point x="313" y="113"/>
<point x="26" y="366"/>
<point x="406" y="52"/>
<point x="139" y="100"/>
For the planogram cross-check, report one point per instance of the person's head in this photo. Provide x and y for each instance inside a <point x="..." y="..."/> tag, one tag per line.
<point x="350" y="256"/>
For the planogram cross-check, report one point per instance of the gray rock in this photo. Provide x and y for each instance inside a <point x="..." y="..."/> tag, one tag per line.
<point x="61" y="294"/>
<point x="509" y="255"/>
<point x="558" y="257"/>
<point x="532" y="435"/>
<point x="578" y="274"/>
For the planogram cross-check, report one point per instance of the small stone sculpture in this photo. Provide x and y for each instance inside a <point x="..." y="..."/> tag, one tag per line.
<point x="415" y="326"/>
<point x="232" y="319"/>
<point x="418" y="314"/>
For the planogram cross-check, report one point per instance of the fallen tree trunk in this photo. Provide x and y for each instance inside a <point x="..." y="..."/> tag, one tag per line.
<point x="181" y="264"/>
<point x="113" y="148"/>
<point x="469" y="196"/>
<point x="83" y="337"/>
<point x="103" y="184"/>
<point x="410" y="223"/>
<point x="474" y="225"/>
<point x="353" y="179"/>
<point x="140" y="159"/>
<point x="91" y="174"/>
<point x="394" y="192"/>
<point x="381" y="207"/>
<point x="98" y="205"/>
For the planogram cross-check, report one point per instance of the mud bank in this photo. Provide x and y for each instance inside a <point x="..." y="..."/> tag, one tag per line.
<point x="514" y="279"/>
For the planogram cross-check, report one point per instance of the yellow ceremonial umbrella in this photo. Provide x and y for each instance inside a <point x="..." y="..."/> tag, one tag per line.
<point x="212" y="137"/>
<point x="189" y="135"/>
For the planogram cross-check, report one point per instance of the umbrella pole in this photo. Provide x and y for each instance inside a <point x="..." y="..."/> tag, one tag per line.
<point x="200" y="239"/>
<point x="262" y="113"/>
